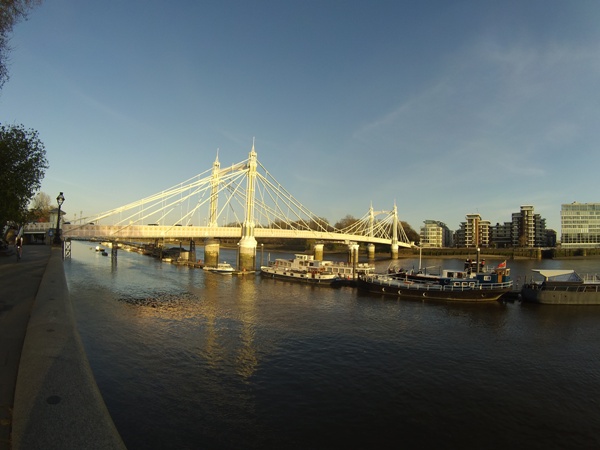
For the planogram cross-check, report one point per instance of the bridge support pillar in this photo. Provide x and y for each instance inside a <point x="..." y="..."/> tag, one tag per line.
<point x="211" y="252"/>
<point x="247" y="253"/>
<point x="192" y="256"/>
<point x="394" y="251"/>
<point x="114" y="247"/>
<point x="319" y="252"/>
<point x="371" y="251"/>
<point x="353" y="254"/>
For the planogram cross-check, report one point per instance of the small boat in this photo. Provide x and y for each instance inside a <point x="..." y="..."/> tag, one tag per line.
<point x="450" y="285"/>
<point x="222" y="268"/>
<point x="303" y="268"/>
<point x="563" y="287"/>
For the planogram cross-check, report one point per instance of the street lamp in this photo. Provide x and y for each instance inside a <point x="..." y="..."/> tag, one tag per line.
<point x="60" y="200"/>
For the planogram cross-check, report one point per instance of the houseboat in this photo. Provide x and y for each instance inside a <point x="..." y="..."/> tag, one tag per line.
<point x="563" y="287"/>
<point x="449" y="285"/>
<point x="303" y="268"/>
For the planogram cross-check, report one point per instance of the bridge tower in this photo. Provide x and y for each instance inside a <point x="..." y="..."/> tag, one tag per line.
<point x="247" y="244"/>
<point x="371" y="246"/>
<point x="211" y="244"/>
<point x="394" y="246"/>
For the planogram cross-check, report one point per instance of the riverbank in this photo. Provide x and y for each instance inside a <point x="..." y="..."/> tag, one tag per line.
<point x="49" y="397"/>
<point x="504" y="253"/>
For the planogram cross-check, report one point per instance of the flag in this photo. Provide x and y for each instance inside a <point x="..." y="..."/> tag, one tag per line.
<point x="502" y="265"/>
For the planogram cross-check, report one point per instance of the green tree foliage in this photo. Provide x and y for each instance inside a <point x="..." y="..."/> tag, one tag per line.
<point x="411" y="234"/>
<point x="346" y="222"/>
<point x="23" y="165"/>
<point x="11" y="12"/>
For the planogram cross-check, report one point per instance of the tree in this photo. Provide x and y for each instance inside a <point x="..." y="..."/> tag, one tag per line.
<point x="11" y="13"/>
<point x="346" y="222"/>
<point x="411" y="234"/>
<point x="23" y="165"/>
<point x="39" y="210"/>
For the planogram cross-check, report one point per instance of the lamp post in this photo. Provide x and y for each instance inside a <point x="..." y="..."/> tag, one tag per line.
<point x="60" y="200"/>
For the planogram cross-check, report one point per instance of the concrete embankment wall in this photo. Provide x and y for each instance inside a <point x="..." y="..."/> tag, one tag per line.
<point x="57" y="402"/>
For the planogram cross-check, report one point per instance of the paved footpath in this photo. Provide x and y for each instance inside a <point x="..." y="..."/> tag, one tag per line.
<point x="49" y="398"/>
<point x="19" y="283"/>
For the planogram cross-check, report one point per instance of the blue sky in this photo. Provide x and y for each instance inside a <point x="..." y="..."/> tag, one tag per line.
<point x="443" y="107"/>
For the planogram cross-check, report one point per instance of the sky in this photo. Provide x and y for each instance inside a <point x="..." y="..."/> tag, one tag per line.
<point x="444" y="108"/>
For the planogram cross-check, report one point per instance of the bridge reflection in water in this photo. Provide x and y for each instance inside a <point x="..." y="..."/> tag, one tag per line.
<point x="189" y="359"/>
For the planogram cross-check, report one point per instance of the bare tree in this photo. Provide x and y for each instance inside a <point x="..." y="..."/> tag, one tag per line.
<point x="40" y="207"/>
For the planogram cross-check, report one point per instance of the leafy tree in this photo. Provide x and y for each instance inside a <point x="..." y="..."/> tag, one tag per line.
<point x="346" y="222"/>
<point x="11" y="12"/>
<point x="23" y="165"/>
<point x="411" y="234"/>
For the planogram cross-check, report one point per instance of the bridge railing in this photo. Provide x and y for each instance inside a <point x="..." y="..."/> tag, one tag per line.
<point x="116" y="232"/>
<point x="38" y="227"/>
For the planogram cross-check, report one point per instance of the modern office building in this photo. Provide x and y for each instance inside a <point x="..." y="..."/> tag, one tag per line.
<point x="580" y="225"/>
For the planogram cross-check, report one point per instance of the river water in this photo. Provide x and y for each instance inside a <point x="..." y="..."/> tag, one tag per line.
<point x="193" y="360"/>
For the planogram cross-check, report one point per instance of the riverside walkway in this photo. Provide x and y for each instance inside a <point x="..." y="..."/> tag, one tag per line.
<point x="48" y="396"/>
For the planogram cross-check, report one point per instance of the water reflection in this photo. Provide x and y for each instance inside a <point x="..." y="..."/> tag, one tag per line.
<point x="245" y="362"/>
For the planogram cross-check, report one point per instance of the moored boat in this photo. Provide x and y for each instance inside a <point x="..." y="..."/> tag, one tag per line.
<point x="563" y="287"/>
<point x="223" y="268"/>
<point x="348" y="271"/>
<point x="450" y="285"/>
<point x="303" y="268"/>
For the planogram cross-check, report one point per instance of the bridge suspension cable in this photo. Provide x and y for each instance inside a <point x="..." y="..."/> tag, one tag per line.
<point x="220" y="196"/>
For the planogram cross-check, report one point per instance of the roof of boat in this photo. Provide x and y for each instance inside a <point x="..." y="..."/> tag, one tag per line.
<point x="558" y="274"/>
<point x="553" y="272"/>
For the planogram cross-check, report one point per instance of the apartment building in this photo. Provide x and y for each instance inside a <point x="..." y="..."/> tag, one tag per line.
<point x="435" y="234"/>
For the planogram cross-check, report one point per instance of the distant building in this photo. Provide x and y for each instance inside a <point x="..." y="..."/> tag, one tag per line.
<point x="526" y="229"/>
<point x="550" y="238"/>
<point x="529" y="229"/>
<point x="475" y="232"/>
<point x="501" y="235"/>
<point x="435" y="234"/>
<point x="580" y="225"/>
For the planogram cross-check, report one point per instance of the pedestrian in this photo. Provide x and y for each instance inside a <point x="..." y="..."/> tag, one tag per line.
<point x="19" y="246"/>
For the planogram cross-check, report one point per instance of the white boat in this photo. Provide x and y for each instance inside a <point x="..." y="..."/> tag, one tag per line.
<point x="303" y="268"/>
<point x="222" y="268"/>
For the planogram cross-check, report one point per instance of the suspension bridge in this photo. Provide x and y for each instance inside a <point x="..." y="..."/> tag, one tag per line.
<point x="248" y="203"/>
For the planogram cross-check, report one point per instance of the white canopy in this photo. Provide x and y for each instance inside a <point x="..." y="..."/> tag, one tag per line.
<point x="551" y="273"/>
